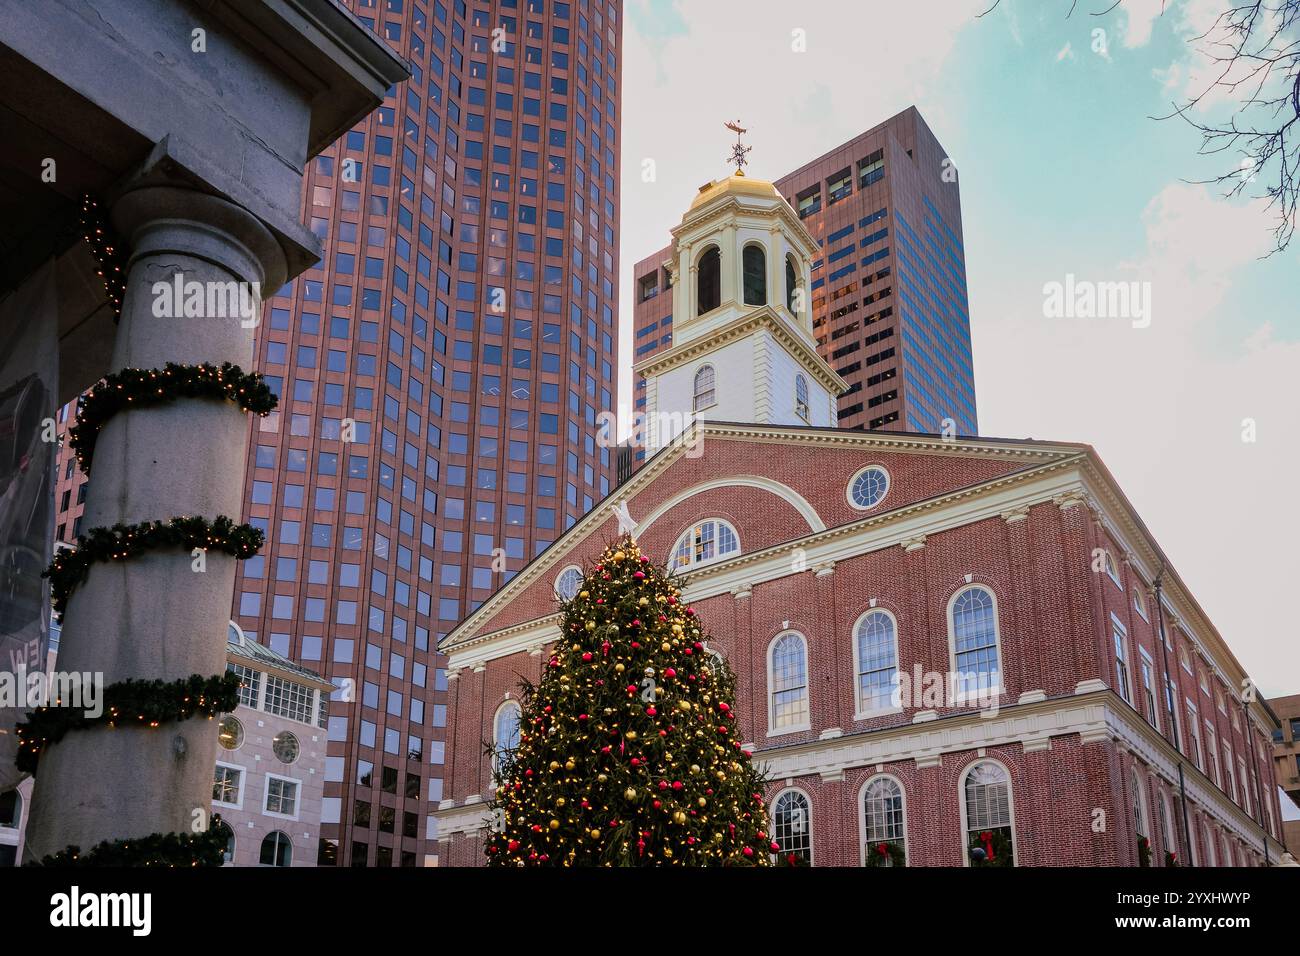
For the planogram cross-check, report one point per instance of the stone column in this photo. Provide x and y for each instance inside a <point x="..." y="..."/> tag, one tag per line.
<point x="157" y="616"/>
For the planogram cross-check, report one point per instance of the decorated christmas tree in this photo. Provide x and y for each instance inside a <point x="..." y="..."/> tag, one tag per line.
<point x="629" y="751"/>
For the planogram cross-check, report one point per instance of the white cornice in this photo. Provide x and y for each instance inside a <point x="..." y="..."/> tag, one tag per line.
<point x="762" y="317"/>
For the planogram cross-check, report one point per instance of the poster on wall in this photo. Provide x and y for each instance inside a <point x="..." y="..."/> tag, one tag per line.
<point x="28" y="454"/>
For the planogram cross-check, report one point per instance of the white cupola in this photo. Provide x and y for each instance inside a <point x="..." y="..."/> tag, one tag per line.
<point x="743" y="347"/>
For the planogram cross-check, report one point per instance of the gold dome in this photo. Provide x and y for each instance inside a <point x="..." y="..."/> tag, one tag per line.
<point x="735" y="185"/>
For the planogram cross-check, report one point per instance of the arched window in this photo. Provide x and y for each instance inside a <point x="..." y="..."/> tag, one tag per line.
<point x="1139" y="805"/>
<point x="277" y="850"/>
<point x="792" y="825"/>
<point x="1112" y="569"/>
<point x="505" y="734"/>
<point x="708" y="294"/>
<point x="1166" y="829"/>
<point x="973" y="625"/>
<point x="568" y="582"/>
<point x="986" y="800"/>
<point x="1211" y="853"/>
<point x="883" y="819"/>
<point x="791" y="285"/>
<point x="705" y="395"/>
<point x="708" y="541"/>
<point x="876" y="653"/>
<point x="801" y="397"/>
<point x="754" y="262"/>
<point x="228" y="854"/>
<point x="788" y="679"/>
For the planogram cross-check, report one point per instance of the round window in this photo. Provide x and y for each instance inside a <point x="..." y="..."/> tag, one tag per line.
<point x="285" y="747"/>
<point x="568" y="583"/>
<point x="869" y="487"/>
<point x="230" y="732"/>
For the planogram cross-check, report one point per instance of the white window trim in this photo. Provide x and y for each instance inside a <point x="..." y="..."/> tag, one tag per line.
<point x="1135" y="780"/>
<point x="1145" y="658"/>
<point x="773" y="731"/>
<point x="1011" y="806"/>
<point x="696" y="409"/>
<point x="560" y="576"/>
<point x="717" y="559"/>
<point x="1118" y="629"/>
<point x="771" y="815"/>
<point x="858" y="712"/>
<point x="1140" y="604"/>
<point x="862" y="815"/>
<point x="297" y="799"/>
<point x="496" y="724"/>
<point x="848" y="489"/>
<point x="1001" y="687"/>
<point x="243" y="779"/>
<point x="1112" y="568"/>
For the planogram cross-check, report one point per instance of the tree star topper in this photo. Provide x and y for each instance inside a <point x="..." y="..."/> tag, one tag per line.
<point x="740" y="150"/>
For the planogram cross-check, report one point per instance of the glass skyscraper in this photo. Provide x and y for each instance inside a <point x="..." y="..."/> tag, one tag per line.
<point x="439" y="373"/>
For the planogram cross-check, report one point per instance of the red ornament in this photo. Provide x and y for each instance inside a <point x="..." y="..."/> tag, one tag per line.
<point x="776" y="847"/>
<point x="657" y="804"/>
<point x="670" y="673"/>
<point x="638" y="575"/>
<point x="650" y="711"/>
<point x="582" y="717"/>
<point x="663" y="784"/>
<point x="512" y="845"/>
<point x="724" y="707"/>
<point x="636" y="761"/>
<point x="749" y="851"/>
<point x="586" y="656"/>
<point x="631" y="688"/>
<point x="677" y="785"/>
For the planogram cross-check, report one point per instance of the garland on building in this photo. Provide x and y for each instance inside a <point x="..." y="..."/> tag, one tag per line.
<point x="1144" y="851"/>
<point x="158" y="849"/>
<point x="128" y="703"/>
<point x="885" y="853"/>
<point x="108" y="250"/>
<point x="133" y="387"/>
<point x="1171" y="858"/>
<point x="122" y="542"/>
<point x="629" y="749"/>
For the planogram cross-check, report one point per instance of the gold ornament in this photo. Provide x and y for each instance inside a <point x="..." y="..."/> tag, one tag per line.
<point x="619" y="668"/>
<point x="644" y="601"/>
<point x="555" y="765"/>
<point x="569" y="765"/>
<point x="702" y="802"/>
<point x="584" y="594"/>
<point x="677" y="629"/>
<point x="555" y="824"/>
<point x="630" y="735"/>
<point x="679" y="817"/>
<point x="618" y="555"/>
<point x="559" y="801"/>
<point x="630" y="793"/>
<point x="591" y="625"/>
<point x="601" y="778"/>
<point x="665" y="647"/>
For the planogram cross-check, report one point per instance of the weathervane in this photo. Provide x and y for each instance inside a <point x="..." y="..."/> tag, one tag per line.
<point x="740" y="150"/>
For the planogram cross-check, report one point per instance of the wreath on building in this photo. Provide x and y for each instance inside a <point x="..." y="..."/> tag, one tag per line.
<point x="990" y="848"/>
<point x="1144" y="851"/>
<point x="1171" y="858"/>
<point x="885" y="853"/>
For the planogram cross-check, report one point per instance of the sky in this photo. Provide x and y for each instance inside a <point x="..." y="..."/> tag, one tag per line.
<point x="1064" y="169"/>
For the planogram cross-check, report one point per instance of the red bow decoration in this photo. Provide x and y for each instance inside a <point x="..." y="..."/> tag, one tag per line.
<point x="987" y="839"/>
<point x="882" y="849"/>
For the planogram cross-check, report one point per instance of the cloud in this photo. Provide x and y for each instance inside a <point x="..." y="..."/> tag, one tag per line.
<point x="1166" y="408"/>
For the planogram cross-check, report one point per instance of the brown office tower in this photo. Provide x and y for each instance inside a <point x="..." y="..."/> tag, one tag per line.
<point x="888" y="293"/>
<point x="440" y="374"/>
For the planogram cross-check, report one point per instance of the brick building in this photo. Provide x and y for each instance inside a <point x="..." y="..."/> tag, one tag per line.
<point x="888" y="282"/>
<point x="1286" y="757"/>
<point x="956" y="646"/>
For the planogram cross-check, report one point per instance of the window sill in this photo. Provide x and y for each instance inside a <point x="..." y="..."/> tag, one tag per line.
<point x="785" y="731"/>
<point x="873" y="714"/>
